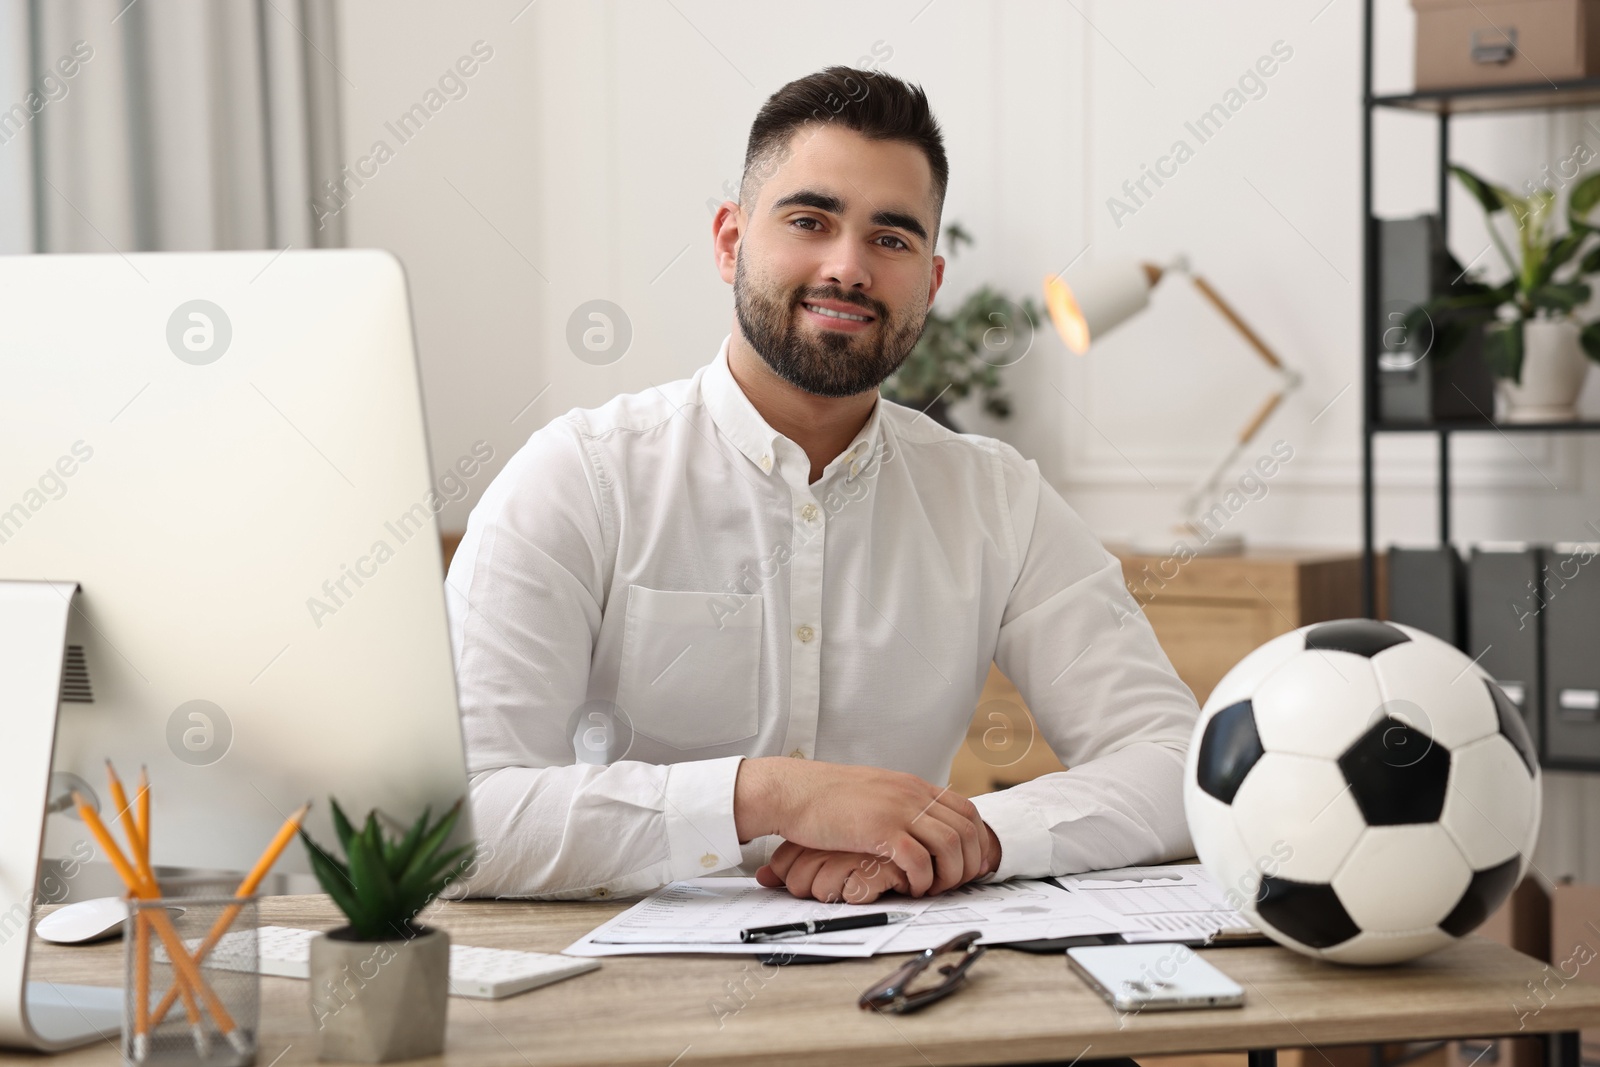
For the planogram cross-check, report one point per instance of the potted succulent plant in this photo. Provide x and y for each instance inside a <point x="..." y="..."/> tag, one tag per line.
<point x="963" y="351"/>
<point x="378" y="985"/>
<point x="1532" y="339"/>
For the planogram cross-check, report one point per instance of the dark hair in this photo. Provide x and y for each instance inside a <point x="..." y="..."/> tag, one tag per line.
<point x="879" y="106"/>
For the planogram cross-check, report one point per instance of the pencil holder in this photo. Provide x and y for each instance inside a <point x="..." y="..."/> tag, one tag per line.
<point x="192" y="988"/>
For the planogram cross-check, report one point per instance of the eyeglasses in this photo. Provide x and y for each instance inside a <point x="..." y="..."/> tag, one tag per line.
<point x="930" y="975"/>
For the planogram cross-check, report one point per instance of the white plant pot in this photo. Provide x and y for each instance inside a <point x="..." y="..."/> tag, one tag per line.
<point x="1553" y="369"/>
<point x="377" y="1001"/>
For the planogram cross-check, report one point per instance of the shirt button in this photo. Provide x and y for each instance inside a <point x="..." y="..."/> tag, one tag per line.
<point x="708" y="861"/>
<point x="766" y="463"/>
<point x="809" y="513"/>
<point x="855" y="469"/>
<point x="797" y="754"/>
<point x="602" y="892"/>
<point x="805" y="633"/>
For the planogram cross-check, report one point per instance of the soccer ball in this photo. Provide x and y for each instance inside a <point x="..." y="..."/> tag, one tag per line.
<point x="1363" y="791"/>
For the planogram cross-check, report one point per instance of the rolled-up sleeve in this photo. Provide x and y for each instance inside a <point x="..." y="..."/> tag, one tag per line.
<point x="1103" y="692"/>
<point x="525" y="592"/>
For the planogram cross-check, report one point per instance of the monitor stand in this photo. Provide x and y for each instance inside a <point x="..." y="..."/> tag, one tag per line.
<point x="47" y="1016"/>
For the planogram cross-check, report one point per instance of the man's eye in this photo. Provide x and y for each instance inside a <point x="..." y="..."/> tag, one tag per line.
<point x="804" y="219"/>
<point x="897" y="240"/>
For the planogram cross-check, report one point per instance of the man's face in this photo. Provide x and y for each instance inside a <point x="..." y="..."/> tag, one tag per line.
<point x="845" y="224"/>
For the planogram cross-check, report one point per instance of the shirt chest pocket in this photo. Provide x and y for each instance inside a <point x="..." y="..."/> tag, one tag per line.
<point x="690" y="673"/>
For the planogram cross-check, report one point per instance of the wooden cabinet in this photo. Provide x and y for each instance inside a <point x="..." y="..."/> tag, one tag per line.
<point x="1211" y="611"/>
<point x="1003" y="745"/>
<point x="1207" y="613"/>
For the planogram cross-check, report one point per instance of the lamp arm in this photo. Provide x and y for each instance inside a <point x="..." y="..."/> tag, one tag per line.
<point x="1191" y="502"/>
<point x="1236" y="321"/>
<point x="1291" y="382"/>
<point x="1262" y="414"/>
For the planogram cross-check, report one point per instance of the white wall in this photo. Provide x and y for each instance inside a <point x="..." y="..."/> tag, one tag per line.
<point x="580" y="161"/>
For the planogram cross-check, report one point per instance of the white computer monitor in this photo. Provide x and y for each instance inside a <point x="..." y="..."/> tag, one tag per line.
<point x="227" y="452"/>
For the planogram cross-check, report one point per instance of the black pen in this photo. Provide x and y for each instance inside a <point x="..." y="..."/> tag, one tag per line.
<point x="823" y="926"/>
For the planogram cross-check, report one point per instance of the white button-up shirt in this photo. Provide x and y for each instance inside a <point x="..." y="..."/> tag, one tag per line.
<point x="654" y="589"/>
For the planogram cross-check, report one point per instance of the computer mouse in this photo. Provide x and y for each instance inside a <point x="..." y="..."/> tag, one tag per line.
<point x="85" y="921"/>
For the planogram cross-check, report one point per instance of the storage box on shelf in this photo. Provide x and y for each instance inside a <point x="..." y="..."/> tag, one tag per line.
<point x="1505" y="42"/>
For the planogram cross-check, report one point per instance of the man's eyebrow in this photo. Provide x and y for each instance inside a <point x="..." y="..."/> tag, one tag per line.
<point x="832" y="204"/>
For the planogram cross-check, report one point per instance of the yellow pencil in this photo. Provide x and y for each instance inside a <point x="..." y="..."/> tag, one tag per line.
<point x="137" y="844"/>
<point x="141" y="984"/>
<point x="128" y="875"/>
<point x="188" y="973"/>
<point x="143" y="801"/>
<point x="191" y="981"/>
<point x="252" y="881"/>
<point x="130" y="827"/>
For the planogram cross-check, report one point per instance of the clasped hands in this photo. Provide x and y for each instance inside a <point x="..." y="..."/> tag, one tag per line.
<point x="853" y="833"/>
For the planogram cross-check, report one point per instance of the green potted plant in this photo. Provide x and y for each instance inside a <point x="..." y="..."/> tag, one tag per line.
<point x="378" y="984"/>
<point x="962" y="352"/>
<point x="1532" y="339"/>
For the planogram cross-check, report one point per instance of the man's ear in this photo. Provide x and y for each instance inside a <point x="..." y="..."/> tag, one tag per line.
<point x="936" y="280"/>
<point x="727" y="230"/>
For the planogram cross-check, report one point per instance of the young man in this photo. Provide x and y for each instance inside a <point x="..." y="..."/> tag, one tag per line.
<point x="739" y="623"/>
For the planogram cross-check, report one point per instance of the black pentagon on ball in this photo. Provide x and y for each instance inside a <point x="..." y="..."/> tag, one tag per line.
<point x="1397" y="774"/>
<point x="1513" y="726"/>
<point x="1486" y="892"/>
<point x="1361" y="637"/>
<point x="1312" y="914"/>
<point x="1229" y="747"/>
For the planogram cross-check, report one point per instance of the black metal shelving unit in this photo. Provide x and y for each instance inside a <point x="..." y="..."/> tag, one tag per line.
<point x="1443" y="104"/>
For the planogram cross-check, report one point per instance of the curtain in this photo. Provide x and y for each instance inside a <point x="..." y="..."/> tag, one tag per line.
<point x="164" y="125"/>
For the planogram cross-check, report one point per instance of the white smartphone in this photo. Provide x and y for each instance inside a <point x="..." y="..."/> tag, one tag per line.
<point x="1154" y="977"/>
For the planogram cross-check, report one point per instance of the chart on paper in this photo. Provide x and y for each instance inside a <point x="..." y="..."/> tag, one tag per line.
<point x="707" y="914"/>
<point x="1167" y="903"/>
<point x="1007" y="912"/>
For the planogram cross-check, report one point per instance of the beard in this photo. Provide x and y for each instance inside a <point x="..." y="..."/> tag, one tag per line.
<point x="827" y="362"/>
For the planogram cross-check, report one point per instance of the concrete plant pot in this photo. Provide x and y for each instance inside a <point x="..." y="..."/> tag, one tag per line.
<point x="378" y="1001"/>
<point x="1553" y="369"/>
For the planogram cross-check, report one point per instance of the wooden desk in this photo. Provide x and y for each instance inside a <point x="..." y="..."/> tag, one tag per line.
<point x="1018" y="1008"/>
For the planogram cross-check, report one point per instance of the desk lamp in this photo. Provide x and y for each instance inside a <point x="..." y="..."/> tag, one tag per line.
<point x="1108" y="294"/>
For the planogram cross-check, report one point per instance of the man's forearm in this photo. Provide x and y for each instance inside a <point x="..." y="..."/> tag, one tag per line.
<point x="1118" y="810"/>
<point x="757" y="795"/>
<point x="587" y="830"/>
<point x="991" y="851"/>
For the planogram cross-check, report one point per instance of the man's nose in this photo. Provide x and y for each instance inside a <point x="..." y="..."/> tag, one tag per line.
<point x="846" y="265"/>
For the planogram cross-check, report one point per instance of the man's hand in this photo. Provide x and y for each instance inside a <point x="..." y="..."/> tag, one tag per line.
<point x="933" y="835"/>
<point x="850" y="877"/>
<point x="832" y="877"/>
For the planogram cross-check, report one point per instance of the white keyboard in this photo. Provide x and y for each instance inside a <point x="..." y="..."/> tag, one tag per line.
<point x="484" y="973"/>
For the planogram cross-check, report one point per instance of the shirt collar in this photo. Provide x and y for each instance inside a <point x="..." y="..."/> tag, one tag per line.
<point x="739" y="420"/>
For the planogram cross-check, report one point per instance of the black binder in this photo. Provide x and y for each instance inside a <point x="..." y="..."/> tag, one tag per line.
<point x="1570" y="586"/>
<point x="1415" y="385"/>
<point x="1425" y="590"/>
<point x="1505" y="624"/>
